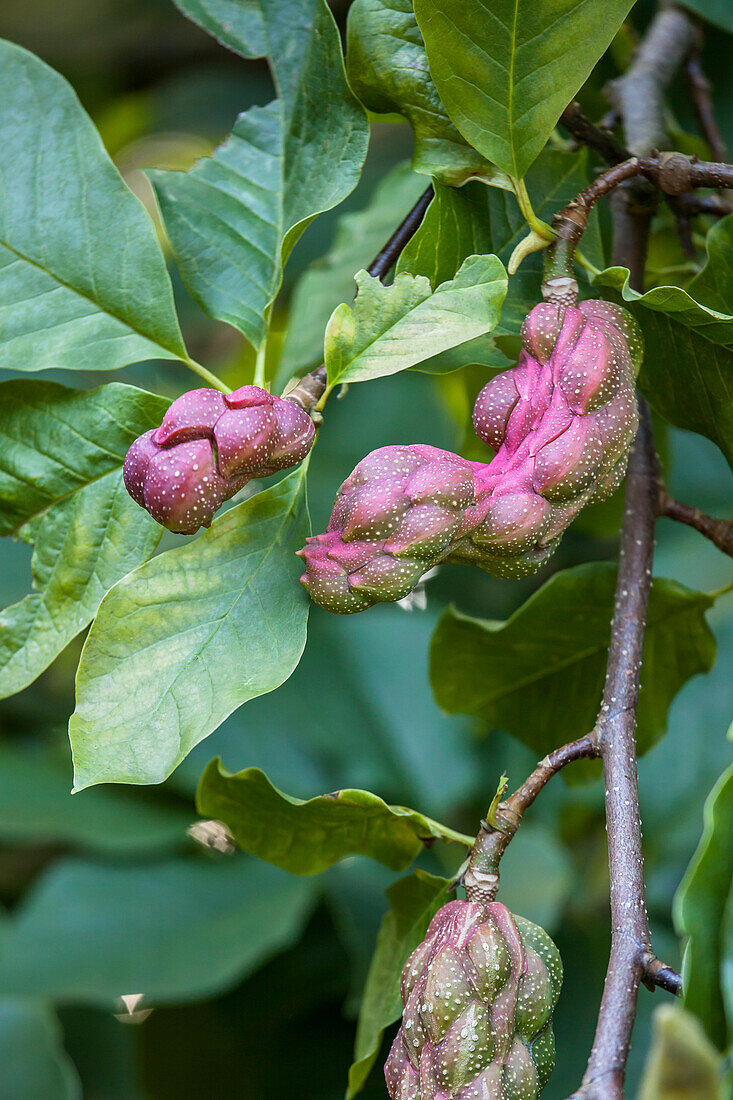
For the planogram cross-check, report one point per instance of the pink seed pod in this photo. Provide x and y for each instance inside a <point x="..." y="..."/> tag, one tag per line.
<point x="207" y="447"/>
<point x="478" y="996"/>
<point x="394" y="517"/>
<point x="560" y="423"/>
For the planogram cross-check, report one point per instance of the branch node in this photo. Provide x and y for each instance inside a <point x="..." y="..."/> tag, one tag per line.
<point x="675" y="173"/>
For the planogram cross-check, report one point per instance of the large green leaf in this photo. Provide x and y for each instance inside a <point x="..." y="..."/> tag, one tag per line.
<point x="682" y="1063"/>
<point x="184" y="640"/>
<point x="388" y="70"/>
<point x="36" y="808"/>
<point x="507" y="69"/>
<point x="330" y="280"/>
<point x="700" y="908"/>
<point x="306" y="837"/>
<point x="174" y="930"/>
<point x="414" y="901"/>
<point x="540" y="674"/>
<point x="61" y="455"/>
<point x="83" y="282"/>
<point x="235" y="217"/>
<point x="687" y="373"/>
<point x="391" y="328"/>
<point x="35" y="1064"/>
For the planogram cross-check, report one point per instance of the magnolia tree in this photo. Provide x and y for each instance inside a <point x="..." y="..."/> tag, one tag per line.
<point x="521" y="263"/>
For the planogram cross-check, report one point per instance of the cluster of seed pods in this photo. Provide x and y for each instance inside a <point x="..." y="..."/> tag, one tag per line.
<point x="208" y="446"/>
<point x="478" y="997"/>
<point x="561" y="424"/>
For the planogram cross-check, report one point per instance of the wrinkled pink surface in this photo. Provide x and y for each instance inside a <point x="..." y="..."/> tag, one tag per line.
<point x="207" y="447"/>
<point x="561" y="423"/>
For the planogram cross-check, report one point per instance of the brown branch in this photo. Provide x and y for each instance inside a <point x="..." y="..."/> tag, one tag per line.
<point x="310" y="389"/>
<point x="719" y="531"/>
<point x="672" y="173"/>
<point x="630" y="938"/>
<point x="699" y="86"/>
<point x="656" y="973"/>
<point x="387" y="257"/>
<point x="639" y="98"/>
<point x="613" y="152"/>
<point x="595" y="137"/>
<point x="482" y="876"/>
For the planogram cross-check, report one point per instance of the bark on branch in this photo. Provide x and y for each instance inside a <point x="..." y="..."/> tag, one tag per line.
<point x="630" y="938"/>
<point x="719" y="531"/>
<point x="481" y="879"/>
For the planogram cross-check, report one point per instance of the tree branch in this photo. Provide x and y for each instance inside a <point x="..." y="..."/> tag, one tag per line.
<point x="310" y="389"/>
<point x="719" y="531"/>
<point x="672" y="173"/>
<point x="639" y="98"/>
<point x="481" y="879"/>
<point x="595" y="137"/>
<point x="630" y="938"/>
<point x="387" y="257"/>
<point x="603" y="142"/>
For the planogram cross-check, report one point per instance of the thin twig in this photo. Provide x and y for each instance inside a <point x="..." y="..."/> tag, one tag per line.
<point x="719" y="531"/>
<point x="672" y="173"/>
<point x="311" y="387"/>
<point x="638" y="96"/>
<point x="595" y="137"/>
<point x="387" y="257"/>
<point x="482" y="876"/>
<point x="656" y="973"/>
<point x="607" y="145"/>
<point x="699" y="86"/>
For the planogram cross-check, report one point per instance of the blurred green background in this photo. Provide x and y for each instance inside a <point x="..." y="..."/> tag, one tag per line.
<point x="251" y="978"/>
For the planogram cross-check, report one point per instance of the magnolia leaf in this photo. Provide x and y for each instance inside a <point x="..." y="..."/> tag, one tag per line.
<point x="172" y="930"/>
<point x="35" y="1064"/>
<point x="682" y="1063"/>
<point x="183" y="641"/>
<point x="388" y="70"/>
<point x="391" y="328"/>
<point x="414" y="901"/>
<point x="518" y="675"/>
<point x="688" y="337"/>
<point x="699" y="910"/>
<point x="507" y="69"/>
<point x="330" y="279"/>
<point x="61" y="455"/>
<point x="83" y="281"/>
<point x="306" y="837"/>
<point x="234" y="218"/>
